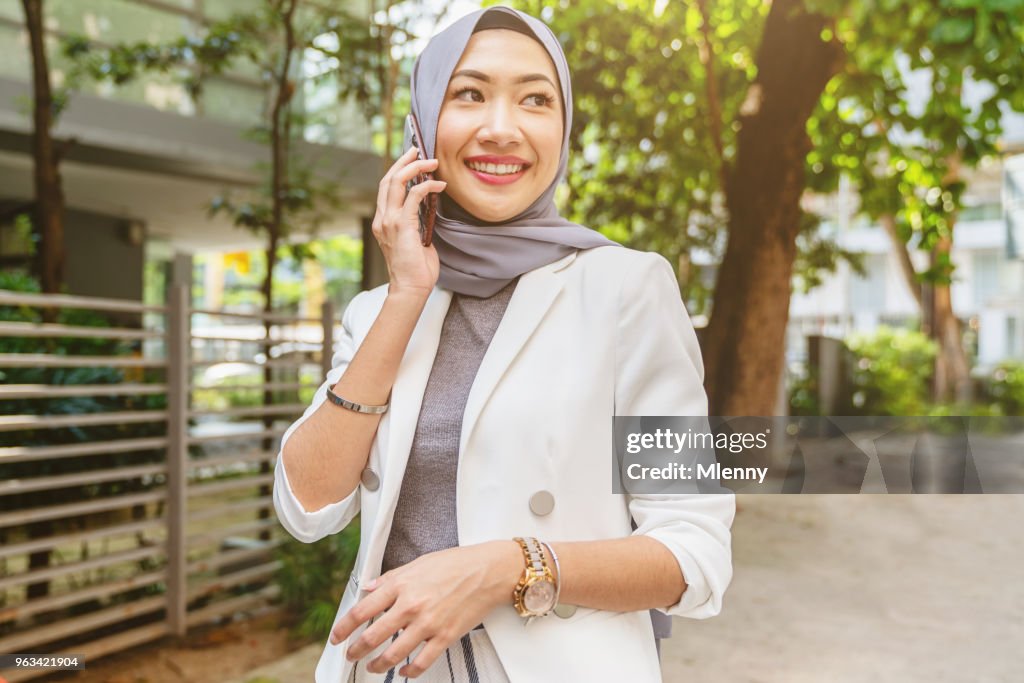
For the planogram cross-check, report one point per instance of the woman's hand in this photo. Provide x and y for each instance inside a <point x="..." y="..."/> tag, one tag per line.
<point x="411" y="266"/>
<point x="435" y="599"/>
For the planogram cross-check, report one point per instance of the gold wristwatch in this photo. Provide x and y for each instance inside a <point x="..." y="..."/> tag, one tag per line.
<point x="534" y="595"/>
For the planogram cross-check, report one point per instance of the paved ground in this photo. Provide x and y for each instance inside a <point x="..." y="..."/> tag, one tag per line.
<point x="849" y="588"/>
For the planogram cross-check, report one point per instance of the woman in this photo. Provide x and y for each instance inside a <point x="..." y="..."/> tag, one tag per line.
<point x="470" y="403"/>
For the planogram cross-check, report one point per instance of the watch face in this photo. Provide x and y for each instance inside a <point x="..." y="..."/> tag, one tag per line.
<point x="539" y="597"/>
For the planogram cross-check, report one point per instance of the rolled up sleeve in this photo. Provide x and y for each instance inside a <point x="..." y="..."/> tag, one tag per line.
<point x="659" y="372"/>
<point x="310" y="526"/>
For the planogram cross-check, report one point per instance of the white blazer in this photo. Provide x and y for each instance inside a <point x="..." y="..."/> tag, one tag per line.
<point x="598" y="333"/>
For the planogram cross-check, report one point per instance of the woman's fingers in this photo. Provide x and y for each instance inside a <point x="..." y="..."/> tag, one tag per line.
<point x="427" y="656"/>
<point x="396" y="653"/>
<point x="376" y="633"/>
<point x="416" y="195"/>
<point x="364" y="610"/>
<point x="385" y="183"/>
<point x="399" y="179"/>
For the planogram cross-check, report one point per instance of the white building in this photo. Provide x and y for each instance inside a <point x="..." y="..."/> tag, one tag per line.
<point x="147" y="157"/>
<point x="988" y="285"/>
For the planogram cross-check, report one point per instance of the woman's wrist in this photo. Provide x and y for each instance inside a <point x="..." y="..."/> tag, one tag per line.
<point x="506" y="568"/>
<point x="408" y="295"/>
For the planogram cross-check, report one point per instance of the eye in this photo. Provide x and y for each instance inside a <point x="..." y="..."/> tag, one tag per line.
<point x="543" y="100"/>
<point x="458" y="93"/>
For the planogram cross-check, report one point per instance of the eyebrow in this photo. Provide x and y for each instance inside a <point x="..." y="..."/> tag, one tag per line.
<point x="480" y="76"/>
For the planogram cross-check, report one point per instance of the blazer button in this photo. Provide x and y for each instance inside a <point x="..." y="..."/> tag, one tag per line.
<point x="370" y="479"/>
<point x="565" y="611"/>
<point x="542" y="503"/>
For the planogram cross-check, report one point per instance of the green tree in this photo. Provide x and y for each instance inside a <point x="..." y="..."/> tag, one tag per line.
<point x="48" y="204"/>
<point x="716" y="117"/>
<point x="273" y="36"/>
<point x="909" y="162"/>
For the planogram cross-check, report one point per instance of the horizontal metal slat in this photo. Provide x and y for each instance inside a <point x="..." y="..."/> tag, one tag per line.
<point x="234" y="579"/>
<point x="12" y="549"/>
<point x="12" y="486"/>
<point x="10" y="298"/>
<point x="42" y="360"/>
<point x="85" y="565"/>
<point x="231" y="556"/>
<point x="196" y="490"/>
<point x="272" y="363"/>
<point x="280" y="318"/>
<point x="231" y="436"/>
<point x="20" y="329"/>
<point x="236" y="530"/>
<point x="19" y="642"/>
<point x="75" y="509"/>
<point x="223" y="607"/>
<point x="270" y="386"/>
<point x="24" y="453"/>
<point x="21" y="391"/>
<point x="27" y="609"/>
<point x="213" y="513"/>
<point x="262" y="341"/>
<point x="234" y="458"/>
<point x="11" y="423"/>
<point x="254" y="411"/>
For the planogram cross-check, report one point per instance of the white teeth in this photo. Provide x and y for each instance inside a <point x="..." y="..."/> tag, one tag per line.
<point x="495" y="169"/>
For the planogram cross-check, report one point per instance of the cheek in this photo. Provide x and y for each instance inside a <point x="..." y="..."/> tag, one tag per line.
<point x="553" y="143"/>
<point x="453" y="132"/>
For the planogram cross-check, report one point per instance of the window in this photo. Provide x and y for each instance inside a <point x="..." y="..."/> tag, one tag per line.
<point x="986" y="277"/>
<point x="1013" y="205"/>
<point x="867" y="294"/>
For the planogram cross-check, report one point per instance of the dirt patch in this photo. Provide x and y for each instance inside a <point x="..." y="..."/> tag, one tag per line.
<point x="211" y="654"/>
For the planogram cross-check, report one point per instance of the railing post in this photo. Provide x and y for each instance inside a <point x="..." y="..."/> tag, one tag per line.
<point x="178" y="366"/>
<point x="327" y="318"/>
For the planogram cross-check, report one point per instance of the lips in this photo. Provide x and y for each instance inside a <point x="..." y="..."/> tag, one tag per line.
<point x="496" y="179"/>
<point x="495" y="169"/>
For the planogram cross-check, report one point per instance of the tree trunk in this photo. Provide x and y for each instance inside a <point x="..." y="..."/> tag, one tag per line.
<point x="49" y="205"/>
<point x="745" y="341"/>
<point x="280" y="141"/>
<point x="907" y="269"/>
<point x="952" y="368"/>
<point x="48" y="219"/>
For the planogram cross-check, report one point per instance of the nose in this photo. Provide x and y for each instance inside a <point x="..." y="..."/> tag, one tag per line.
<point x="500" y="126"/>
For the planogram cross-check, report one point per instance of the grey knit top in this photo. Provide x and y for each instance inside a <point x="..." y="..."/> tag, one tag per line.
<point x="425" y="516"/>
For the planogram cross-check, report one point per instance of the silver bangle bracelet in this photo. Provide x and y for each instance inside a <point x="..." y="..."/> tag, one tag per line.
<point x="356" y="407"/>
<point x="558" y="570"/>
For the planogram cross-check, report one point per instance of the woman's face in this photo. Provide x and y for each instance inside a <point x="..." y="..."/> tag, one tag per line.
<point x="499" y="134"/>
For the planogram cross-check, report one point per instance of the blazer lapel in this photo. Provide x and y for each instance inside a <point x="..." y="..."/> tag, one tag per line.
<point x="530" y="301"/>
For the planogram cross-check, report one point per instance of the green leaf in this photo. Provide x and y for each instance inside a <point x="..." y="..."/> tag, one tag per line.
<point x="1008" y="6"/>
<point x="953" y="30"/>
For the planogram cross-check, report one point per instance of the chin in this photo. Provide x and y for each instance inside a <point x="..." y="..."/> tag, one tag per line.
<point x="491" y="213"/>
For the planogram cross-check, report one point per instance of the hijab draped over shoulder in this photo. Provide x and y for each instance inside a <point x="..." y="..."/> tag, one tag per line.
<point x="477" y="257"/>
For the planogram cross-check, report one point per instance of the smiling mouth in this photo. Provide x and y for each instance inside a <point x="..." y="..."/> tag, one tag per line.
<point x="497" y="169"/>
<point x="497" y="174"/>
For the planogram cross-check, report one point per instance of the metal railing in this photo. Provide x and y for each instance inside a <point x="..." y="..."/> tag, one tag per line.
<point x="136" y="513"/>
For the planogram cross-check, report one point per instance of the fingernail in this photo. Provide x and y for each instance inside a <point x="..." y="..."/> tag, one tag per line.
<point x="371" y="584"/>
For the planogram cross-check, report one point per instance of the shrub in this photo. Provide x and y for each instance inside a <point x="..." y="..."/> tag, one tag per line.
<point x="1005" y="387"/>
<point x="891" y="372"/>
<point x="313" y="577"/>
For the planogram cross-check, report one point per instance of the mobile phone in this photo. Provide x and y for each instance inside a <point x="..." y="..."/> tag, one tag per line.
<point x="428" y="207"/>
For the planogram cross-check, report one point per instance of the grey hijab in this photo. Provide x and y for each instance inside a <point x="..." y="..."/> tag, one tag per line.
<point x="477" y="257"/>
